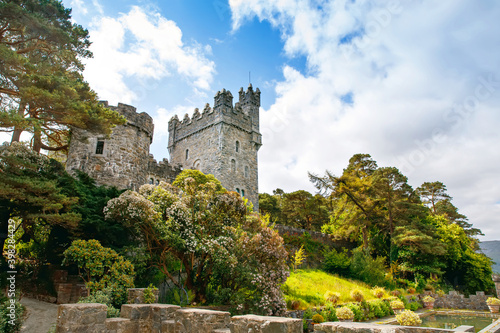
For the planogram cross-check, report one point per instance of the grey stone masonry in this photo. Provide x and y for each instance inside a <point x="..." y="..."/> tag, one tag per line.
<point x="454" y="300"/>
<point x="123" y="158"/>
<point x="496" y="280"/>
<point x="264" y="324"/>
<point x="222" y="141"/>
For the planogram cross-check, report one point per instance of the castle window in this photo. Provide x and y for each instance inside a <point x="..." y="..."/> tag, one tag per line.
<point x="242" y="192"/>
<point x="99" y="149"/>
<point x="238" y="190"/>
<point x="157" y="182"/>
<point x="187" y="154"/>
<point x="151" y="181"/>
<point x="237" y="146"/>
<point x="233" y="165"/>
<point x="246" y="171"/>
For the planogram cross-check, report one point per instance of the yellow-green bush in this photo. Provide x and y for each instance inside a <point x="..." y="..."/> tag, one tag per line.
<point x="344" y="313"/>
<point x="408" y="318"/>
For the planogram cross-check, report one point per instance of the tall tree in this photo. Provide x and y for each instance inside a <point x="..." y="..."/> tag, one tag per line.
<point x="432" y="193"/>
<point x="303" y="210"/>
<point x="41" y="86"/>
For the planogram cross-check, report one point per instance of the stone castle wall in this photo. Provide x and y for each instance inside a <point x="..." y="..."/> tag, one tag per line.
<point x="123" y="158"/>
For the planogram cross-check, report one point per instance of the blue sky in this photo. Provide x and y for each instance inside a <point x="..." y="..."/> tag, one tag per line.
<point x="416" y="84"/>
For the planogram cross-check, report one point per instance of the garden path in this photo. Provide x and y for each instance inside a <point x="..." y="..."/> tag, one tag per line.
<point x="41" y="316"/>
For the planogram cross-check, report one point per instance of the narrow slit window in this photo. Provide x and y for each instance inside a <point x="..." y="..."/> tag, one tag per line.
<point x="246" y="171"/>
<point x="238" y="190"/>
<point x="242" y="192"/>
<point x="237" y="146"/>
<point x="233" y="165"/>
<point x="99" y="149"/>
<point x="187" y="154"/>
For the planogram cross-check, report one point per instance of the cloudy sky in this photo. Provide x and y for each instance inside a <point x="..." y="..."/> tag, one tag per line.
<point x="413" y="83"/>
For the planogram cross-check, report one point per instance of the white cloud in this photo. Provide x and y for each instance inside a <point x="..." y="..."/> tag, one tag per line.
<point x="144" y="47"/>
<point x="417" y="73"/>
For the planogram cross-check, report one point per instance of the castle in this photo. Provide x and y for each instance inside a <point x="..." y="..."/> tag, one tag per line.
<point x="222" y="141"/>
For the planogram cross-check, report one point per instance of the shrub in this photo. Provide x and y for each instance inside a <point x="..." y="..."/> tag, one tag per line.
<point x="102" y="297"/>
<point x="429" y="299"/>
<point x="359" y="313"/>
<point x="397" y="305"/>
<point x="411" y="290"/>
<point x="328" y="313"/>
<point x="344" y="313"/>
<point x="11" y="322"/>
<point x="367" y="269"/>
<point x="336" y="262"/>
<point x="357" y="295"/>
<point x="149" y="294"/>
<point x="414" y="306"/>
<point x="332" y="297"/>
<point x="317" y="318"/>
<point x="375" y="309"/>
<point x="408" y="318"/>
<point x="493" y="301"/>
<point x="378" y="292"/>
<point x="440" y="293"/>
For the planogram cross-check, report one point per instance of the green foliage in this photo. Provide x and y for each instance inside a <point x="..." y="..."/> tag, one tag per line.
<point x="298" y="257"/>
<point x="332" y="297"/>
<point x="348" y="312"/>
<point x="336" y="262"/>
<point x="199" y="179"/>
<point x="317" y="318"/>
<point x="103" y="297"/>
<point x="11" y="315"/>
<point x="367" y="269"/>
<point x="357" y="295"/>
<point x="357" y="310"/>
<point x="101" y="268"/>
<point x="149" y="294"/>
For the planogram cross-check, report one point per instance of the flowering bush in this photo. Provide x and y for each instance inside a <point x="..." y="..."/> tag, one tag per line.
<point x="357" y="295"/>
<point x="344" y="313"/>
<point x="408" y="318"/>
<point x="493" y="301"/>
<point x="332" y="297"/>
<point x="428" y="299"/>
<point x="227" y="254"/>
<point x="397" y="305"/>
<point x="378" y="292"/>
<point x="411" y="290"/>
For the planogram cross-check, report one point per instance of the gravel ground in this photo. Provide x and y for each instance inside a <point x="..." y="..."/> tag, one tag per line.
<point x="41" y="316"/>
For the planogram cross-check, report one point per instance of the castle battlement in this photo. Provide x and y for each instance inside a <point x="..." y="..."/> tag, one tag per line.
<point x="243" y="115"/>
<point x="142" y="121"/>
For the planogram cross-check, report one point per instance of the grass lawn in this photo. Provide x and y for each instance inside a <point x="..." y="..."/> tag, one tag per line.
<point x="309" y="286"/>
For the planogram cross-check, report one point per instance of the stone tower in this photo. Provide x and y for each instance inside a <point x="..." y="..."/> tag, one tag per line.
<point x="222" y="141"/>
<point x="121" y="160"/>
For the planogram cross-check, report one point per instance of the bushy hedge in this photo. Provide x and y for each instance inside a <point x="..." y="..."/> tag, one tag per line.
<point x="11" y="315"/>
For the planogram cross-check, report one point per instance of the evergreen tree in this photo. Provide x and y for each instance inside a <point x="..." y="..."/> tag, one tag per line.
<point x="41" y="86"/>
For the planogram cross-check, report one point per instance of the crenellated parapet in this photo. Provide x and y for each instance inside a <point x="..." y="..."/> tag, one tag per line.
<point x="141" y="121"/>
<point x="243" y="115"/>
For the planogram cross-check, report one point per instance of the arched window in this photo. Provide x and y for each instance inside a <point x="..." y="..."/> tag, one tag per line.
<point x="238" y="190"/>
<point x="237" y="146"/>
<point x="246" y="171"/>
<point x="233" y="165"/>
<point x="242" y="192"/>
<point x="157" y="182"/>
<point x="151" y="181"/>
<point x="187" y="154"/>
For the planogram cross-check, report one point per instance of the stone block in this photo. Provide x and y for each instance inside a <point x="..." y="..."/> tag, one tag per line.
<point x="135" y="295"/>
<point x="200" y="321"/>
<point x="81" y="318"/>
<point x="120" y="325"/>
<point x="136" y="311"/>
<point x="168" y="326"/>
<point x="465" y="328"/>
<point x="263" y="324"/>
<point x="161" y="312"/>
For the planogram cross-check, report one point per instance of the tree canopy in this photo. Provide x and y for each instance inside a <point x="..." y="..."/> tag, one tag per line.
<point x="42" y="89"/>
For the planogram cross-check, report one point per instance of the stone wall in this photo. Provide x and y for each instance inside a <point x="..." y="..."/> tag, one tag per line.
<point x="164" y="318"/>
<point x="343" y="327"/>
<point x="496" y="280"/>
<point x="123" y="158"/>
<point x="454" y="300"/>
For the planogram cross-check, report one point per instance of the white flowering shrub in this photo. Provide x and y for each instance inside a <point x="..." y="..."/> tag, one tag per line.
<point x="228" y="256"/>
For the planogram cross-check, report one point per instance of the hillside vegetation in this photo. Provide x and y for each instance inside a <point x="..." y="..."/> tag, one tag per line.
<point x="310" y="286"/>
